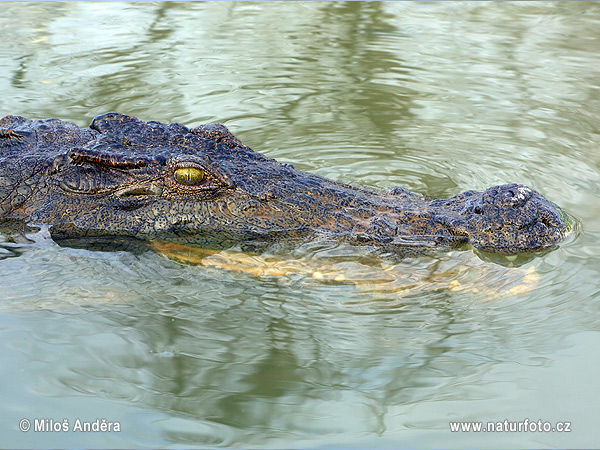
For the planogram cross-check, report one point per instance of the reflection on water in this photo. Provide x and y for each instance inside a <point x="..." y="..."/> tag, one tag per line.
<point x="436" y="97"/>
<point x="242" y="354"/>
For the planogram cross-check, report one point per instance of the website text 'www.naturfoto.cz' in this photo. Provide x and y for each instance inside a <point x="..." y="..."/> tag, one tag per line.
<point x="507" y="426"/>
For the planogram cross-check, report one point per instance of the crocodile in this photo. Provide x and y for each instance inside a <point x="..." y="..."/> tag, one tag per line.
<point x="147" y="180"/>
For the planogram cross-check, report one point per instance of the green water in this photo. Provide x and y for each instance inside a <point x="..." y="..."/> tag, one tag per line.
<point x="436" y="97"/>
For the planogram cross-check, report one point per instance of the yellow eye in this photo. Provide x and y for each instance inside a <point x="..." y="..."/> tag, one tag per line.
<point x="189" y="176"/>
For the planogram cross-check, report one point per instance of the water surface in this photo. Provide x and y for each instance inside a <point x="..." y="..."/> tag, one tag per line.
<point x="436" y="97"/>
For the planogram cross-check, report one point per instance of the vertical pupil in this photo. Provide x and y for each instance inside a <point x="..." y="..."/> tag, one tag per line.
<point x="189" y="176"/>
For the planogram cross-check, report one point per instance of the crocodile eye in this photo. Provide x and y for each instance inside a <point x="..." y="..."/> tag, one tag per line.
<point x="189" y="176"/>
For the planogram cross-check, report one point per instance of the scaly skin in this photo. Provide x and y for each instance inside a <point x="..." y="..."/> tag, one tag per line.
<point x="123" y="176"/>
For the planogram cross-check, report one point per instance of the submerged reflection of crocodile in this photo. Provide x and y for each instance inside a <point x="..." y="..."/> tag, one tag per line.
<point x="123" y="176"/>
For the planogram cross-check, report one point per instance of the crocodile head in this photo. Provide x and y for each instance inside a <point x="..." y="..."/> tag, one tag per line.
<point x="124" y="176"/>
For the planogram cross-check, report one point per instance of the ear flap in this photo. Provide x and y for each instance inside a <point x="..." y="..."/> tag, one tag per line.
<point x="109" y="159"/>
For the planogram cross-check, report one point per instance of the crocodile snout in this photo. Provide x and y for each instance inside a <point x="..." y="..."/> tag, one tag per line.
<point x="513" y="218"/>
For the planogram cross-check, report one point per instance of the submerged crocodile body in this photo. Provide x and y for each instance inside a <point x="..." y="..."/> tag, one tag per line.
<point x="123" y="176"/>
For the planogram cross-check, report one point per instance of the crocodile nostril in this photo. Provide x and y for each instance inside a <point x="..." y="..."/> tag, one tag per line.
<point x="478" y="210"/>
<point x="546" y="222"/>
